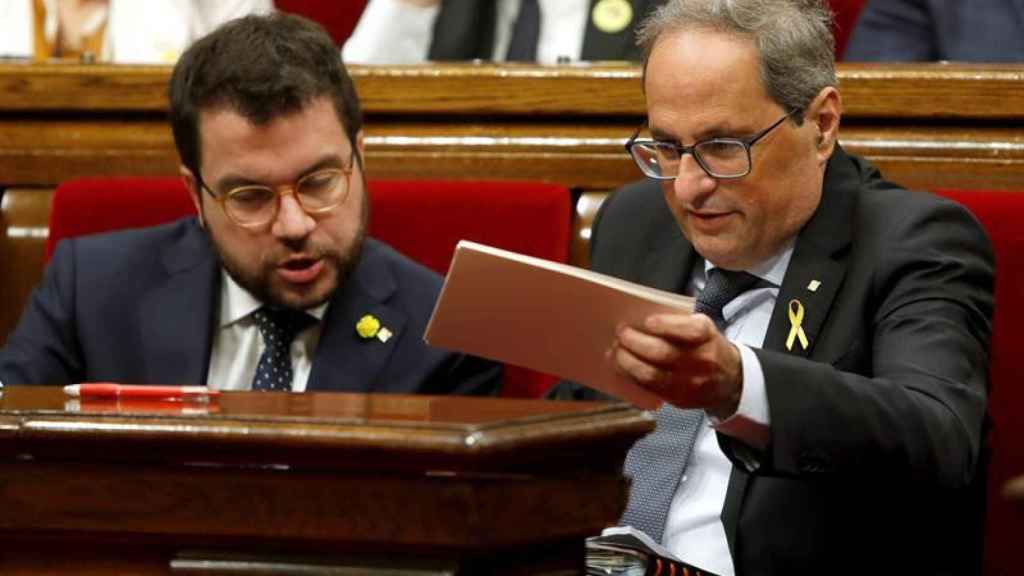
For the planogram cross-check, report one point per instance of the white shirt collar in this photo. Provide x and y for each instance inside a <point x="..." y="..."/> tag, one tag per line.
<point x="772" y="270"/>
<point x="237" y="303"/>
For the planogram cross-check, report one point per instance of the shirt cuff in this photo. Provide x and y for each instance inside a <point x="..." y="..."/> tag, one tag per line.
<point x="752" y="420"/>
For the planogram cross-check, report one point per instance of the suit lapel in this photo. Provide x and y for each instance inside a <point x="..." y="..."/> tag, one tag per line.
<point x="817" y="267"/>
<point x="178" y="316"/>
<point x="817" y="256"/>
<point x="344" y="361"/>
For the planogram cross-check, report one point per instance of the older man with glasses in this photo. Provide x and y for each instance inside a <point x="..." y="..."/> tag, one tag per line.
<point x="275" y="285"/>
<point x="824" y="408"/>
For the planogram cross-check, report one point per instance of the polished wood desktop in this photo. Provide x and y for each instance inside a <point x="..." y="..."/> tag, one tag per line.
<point x="314" y="483"/>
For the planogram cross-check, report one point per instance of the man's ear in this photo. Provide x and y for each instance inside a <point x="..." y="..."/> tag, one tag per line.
<point x="823" y="114"/>
<point x="194" y="191"/>
<point x="360" y="144"/>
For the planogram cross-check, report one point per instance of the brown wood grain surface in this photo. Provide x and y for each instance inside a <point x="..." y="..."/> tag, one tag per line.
<point x="968" y="91"/>
<point x="278" y="478"/>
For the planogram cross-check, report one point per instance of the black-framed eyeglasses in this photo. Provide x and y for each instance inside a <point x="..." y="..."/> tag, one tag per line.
<point x="254" y="205"/>
<point x="718" y="157"/>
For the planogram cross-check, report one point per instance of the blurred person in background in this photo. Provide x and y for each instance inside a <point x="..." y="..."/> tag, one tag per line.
<point x="120" y="31"/>
<point x="931" y="30"/>
<point x="544" y="31"/>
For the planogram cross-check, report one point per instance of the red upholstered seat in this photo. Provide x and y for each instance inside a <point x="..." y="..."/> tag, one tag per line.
<point x="846" y="14"/>
<point x="423" y="220"/>
<point x="339" y="17"/>
<point x="1002" y="215"/>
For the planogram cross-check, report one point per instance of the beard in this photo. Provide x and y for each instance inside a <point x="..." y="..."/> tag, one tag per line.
<point x="263" y="283"/>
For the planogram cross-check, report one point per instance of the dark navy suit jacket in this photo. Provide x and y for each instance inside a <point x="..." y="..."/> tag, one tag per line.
<point x="876" y="428"/>
<point x="139" y="306"/>
<point x="464" y="30"/>
<point x="929" y="30"/>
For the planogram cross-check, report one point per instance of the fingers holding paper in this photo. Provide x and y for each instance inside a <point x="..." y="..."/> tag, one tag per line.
<point x="683" y="359"/>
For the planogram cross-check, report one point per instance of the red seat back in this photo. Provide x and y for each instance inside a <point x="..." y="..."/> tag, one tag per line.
<point x="339" y="17"/>
<point x="423" y="220"/>
<point x="1002" y="215"/>
<point x="846" y="13"/>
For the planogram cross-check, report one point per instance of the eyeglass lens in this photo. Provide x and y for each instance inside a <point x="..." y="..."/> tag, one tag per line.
<point x="316" y="192"/>
<point x="720" y="158"/>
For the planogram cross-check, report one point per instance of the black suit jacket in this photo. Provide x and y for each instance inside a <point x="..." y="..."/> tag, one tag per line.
<point x="464" y="30"/>
<point x="140" y="306"/>
<point x="876" y="428"/>
<point x="927" y="30"/>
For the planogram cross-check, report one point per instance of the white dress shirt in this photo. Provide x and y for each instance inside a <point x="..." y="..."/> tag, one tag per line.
<point x="393" y="32"/>
<point x="238" y="344"/>
<point x="693" y="529"/>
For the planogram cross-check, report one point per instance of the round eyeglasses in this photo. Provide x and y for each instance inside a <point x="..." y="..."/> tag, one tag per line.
<point x="718" y="157"/>
<point x="250" y="206"/>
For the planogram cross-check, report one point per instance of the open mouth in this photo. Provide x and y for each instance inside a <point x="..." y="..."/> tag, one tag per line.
<point x="300" y="270"/>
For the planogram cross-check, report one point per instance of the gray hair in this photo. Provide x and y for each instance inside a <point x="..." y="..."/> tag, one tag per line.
<point x="793" y="38"/>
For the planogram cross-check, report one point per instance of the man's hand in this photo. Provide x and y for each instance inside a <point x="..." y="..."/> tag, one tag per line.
<point x="684" y="359"/>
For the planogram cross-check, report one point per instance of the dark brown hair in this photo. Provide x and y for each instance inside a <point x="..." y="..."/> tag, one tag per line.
<point x="262" y="67"/>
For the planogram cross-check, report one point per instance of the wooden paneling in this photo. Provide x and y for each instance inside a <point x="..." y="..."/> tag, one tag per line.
<point x="23" y="231"/>
<point x="934" y="125"/>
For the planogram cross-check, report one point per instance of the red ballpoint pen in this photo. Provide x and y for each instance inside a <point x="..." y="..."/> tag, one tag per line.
<point x="109" y="390"/>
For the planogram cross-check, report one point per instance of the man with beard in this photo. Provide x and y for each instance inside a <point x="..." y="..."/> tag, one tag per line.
<point x="273" y="286"/>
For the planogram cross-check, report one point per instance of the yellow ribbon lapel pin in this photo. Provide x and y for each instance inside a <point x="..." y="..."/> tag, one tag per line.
<point x="796" y="329"/>
<point x="369" y="327"/>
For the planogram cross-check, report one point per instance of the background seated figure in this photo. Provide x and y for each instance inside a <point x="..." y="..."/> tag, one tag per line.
<point x="545" y="31"/>
<point x="929" y="30"/>
<point x="122" y="31"/>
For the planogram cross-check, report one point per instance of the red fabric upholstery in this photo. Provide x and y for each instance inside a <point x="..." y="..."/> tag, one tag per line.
<point x="423" y="220"/>
<point x="846" y="13"/>
<point x="339" y="17"/>
<point x="1002" y="215"/>
<point x="89" y="206"/>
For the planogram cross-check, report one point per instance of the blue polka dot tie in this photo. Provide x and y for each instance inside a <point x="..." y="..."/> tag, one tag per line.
<point x="278" y="328"/>
<point x="656" y="462"/>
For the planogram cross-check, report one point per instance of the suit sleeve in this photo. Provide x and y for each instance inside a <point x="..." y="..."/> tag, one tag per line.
<point x="916" y="407"/>
<point x="893" y="31"/>
<point x="468" y="375"/>
<point x="43" y="349"/>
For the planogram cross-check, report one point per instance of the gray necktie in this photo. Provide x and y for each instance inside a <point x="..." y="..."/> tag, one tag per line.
<point x="525" y="33"/>
<point x="278" y="328"/>
<point x="656" y="462"/>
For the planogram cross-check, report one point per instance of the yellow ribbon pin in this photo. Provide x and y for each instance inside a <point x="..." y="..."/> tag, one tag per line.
<point x="796" y="319"/>
<point x="368" y="326"/>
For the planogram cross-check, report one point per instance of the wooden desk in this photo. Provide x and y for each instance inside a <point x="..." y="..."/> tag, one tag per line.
<point x="434" y="485"/>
